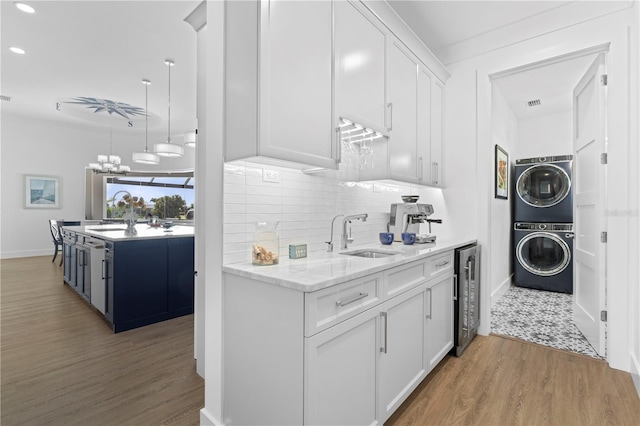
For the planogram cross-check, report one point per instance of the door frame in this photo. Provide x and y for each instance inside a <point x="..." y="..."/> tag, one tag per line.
<point x="483" y="131"/>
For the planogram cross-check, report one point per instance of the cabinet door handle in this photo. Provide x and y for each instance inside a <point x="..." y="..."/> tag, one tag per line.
<point x="430" y="303"/>
<point x="352" y="299"/>
<point x="103" y="269"/>
<point x="420" y="168"/>
<point x="440" y="265"/>
<point x="390" y="108"/>
<point x="383" y="349"/>
<point x="467" y="316"/>
<point x="338" y="146"/>
<point x="455" y="287"/>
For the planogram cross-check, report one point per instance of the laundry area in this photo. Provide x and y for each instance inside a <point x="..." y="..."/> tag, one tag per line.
<point x="545" y="110"/>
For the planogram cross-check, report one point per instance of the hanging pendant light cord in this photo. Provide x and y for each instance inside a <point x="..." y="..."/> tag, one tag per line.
<point x="169" y="63"/>
<point x="146" y="117"/>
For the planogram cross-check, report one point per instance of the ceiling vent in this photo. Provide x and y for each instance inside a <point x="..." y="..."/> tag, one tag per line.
<point x="533" y="103"/>
<point x="5" y="98"/>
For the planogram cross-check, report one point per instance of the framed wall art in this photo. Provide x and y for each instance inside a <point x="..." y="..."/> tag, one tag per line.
<point x="501" y="173"/>
<point x="42" y="192"/>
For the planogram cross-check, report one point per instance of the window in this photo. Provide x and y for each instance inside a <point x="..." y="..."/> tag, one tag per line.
<point x="164" y="195"/>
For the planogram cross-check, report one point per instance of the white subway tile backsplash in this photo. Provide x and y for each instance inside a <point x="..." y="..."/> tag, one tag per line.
<point x="305" y="205"/>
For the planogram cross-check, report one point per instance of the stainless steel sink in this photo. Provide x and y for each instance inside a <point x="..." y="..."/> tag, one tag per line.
<point x="370" y="253"/>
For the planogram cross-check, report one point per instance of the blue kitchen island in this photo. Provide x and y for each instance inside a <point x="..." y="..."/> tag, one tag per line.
<point x="132" y="280"/>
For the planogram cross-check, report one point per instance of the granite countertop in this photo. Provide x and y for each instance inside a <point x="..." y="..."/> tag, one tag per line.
<point x="321" y="269"/>
<point x="115" y="232"/>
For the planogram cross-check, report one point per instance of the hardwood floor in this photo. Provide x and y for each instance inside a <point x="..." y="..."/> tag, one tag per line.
<point x="61" y="363"/>
<point x="503" y="381"/>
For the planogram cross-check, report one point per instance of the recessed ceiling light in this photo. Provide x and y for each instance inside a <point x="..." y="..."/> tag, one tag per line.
<point x="25" y="7"/>
<point x="17" y="50"/>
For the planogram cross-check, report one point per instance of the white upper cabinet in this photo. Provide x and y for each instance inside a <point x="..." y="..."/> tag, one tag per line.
<point x="424" y="125"/>
<point x="436" y="173"/>
<point x="413" y="152"/>
<point x="430" y="128"/>
<point x="294" y="68"/>
<point x="360" y="47"/>
<point x="403" y="89"/>
<point x="279" y="82"/>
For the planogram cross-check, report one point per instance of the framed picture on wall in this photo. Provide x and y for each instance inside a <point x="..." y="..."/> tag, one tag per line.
<point x="502" y="173"/>
<point x="42" y="192"/>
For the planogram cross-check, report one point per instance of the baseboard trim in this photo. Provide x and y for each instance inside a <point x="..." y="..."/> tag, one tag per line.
<point x="29" y="253"/>
<point x="635" y="372"/>
<point x="502" y="288"/>
<point x="207" y="419"/>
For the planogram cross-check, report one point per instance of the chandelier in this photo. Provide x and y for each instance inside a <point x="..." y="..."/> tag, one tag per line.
<point x="111" y="164"/>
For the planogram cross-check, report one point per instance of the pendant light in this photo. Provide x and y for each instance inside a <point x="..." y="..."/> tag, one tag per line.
<point x="146" y="157"/>
<point x="168" y="149"/>
<point x="190" y="138"/>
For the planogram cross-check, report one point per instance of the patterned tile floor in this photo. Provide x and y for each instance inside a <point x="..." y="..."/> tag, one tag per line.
<point x="542" y="317"/>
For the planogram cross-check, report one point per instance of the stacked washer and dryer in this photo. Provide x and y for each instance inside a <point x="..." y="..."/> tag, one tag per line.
<point x="543" y="224"/>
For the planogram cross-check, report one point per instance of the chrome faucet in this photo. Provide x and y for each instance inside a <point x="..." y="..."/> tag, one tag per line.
<point x="345" y="236"/>
<point x="330" y="242"/>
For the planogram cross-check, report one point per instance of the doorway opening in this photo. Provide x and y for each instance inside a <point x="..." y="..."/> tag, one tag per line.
<point x="535" y="116"/>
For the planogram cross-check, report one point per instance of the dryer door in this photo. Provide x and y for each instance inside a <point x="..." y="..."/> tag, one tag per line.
<point x="543" y="185"/>
<point x="543" y="253"/>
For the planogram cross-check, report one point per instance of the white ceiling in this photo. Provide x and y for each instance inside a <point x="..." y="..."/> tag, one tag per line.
<point x="99" y="49"/>
<point x="551" y="84"/>
<point x="443" y="23"/>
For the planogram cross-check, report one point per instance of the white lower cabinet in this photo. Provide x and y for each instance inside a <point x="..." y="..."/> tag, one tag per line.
<point x="402" y="361"/>
<point x="439" y="320"/>
<point x="356" y="362"/>
<point x="340" y="373"/>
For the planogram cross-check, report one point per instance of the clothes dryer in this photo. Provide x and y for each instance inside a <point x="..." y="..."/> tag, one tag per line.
<point x="544" y="256"/>
<point x="543" y="190"/>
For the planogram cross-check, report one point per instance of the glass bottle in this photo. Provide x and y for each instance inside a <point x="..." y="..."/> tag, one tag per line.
<point x="265" y="249"/>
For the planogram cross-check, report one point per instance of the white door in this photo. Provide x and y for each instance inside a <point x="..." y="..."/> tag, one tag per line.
<point x="589" y="178"/>
<point x="340" y="373"/>
<point x="439" y="320"/>
<point x="360" y="45"/>
<point x="402" y="360"/>
<point x="403" y="82"/>
<point x="296" y="104"/>
<point x="424" y="125"/>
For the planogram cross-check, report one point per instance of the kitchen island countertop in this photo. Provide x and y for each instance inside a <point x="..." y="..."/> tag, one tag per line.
<point x="115" y="232"/>
<point x="322" y="269"/>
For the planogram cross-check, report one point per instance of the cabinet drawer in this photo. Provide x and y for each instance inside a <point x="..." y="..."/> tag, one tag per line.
<point x="404" y="277"/>
<point x="440" y="265"/>
<point x="332" y="305"/>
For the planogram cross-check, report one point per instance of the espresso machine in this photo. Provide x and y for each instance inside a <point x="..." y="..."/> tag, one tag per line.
<point x="407" y="217"/>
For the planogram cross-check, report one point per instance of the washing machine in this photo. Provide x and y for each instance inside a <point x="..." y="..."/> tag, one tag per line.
<point x="544" y="256"/>
<point x="543" y="190"/>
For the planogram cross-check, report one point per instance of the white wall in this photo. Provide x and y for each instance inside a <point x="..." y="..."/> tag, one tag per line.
<point x="468" y="127"/>
<point x="505" y="133"/>
<point x="546" y="135"/>
<point x="63" y="149"/>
